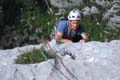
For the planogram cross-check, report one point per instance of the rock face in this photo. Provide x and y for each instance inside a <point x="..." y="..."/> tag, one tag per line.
<point x="115" y="21"/>
<point x="89" y="11"/>
<point x="103" y="3"/>
<point x="71" y="3"/>
<point x="92" y="61"/>
<point x="65" y="3"/>
<point x="115" y="7"/>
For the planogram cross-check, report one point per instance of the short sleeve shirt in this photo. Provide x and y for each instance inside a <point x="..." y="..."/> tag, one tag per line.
<point x="63" y="25"/>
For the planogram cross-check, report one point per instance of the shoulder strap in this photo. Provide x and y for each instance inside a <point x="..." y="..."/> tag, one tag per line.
<point x="60" y="19"/>
<point x="67" y="32"/>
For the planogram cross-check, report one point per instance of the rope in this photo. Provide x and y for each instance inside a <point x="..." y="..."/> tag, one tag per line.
<point x="59" y="59"/>
<point x="46" y="1"/>
<point x="45" y="57"/>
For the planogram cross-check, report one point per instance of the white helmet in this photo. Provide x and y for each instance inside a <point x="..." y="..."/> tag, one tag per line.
<point x="74" y="15"/>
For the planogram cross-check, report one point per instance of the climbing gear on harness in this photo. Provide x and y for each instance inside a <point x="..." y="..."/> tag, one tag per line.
<point x="68" y="52"/>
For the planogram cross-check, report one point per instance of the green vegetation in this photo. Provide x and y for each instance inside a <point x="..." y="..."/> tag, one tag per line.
<point x="118" y="13"/>
<point x="34" y="56"/>
<point x="34" y="16"/>
<point x="100" y="31"/>
<point x="94" y="31"/>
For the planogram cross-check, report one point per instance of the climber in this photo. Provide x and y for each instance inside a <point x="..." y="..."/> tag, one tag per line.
<point x="71" y="30"/>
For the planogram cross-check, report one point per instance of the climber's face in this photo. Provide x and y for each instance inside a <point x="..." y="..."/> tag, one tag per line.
<point x="73" y="24"/>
